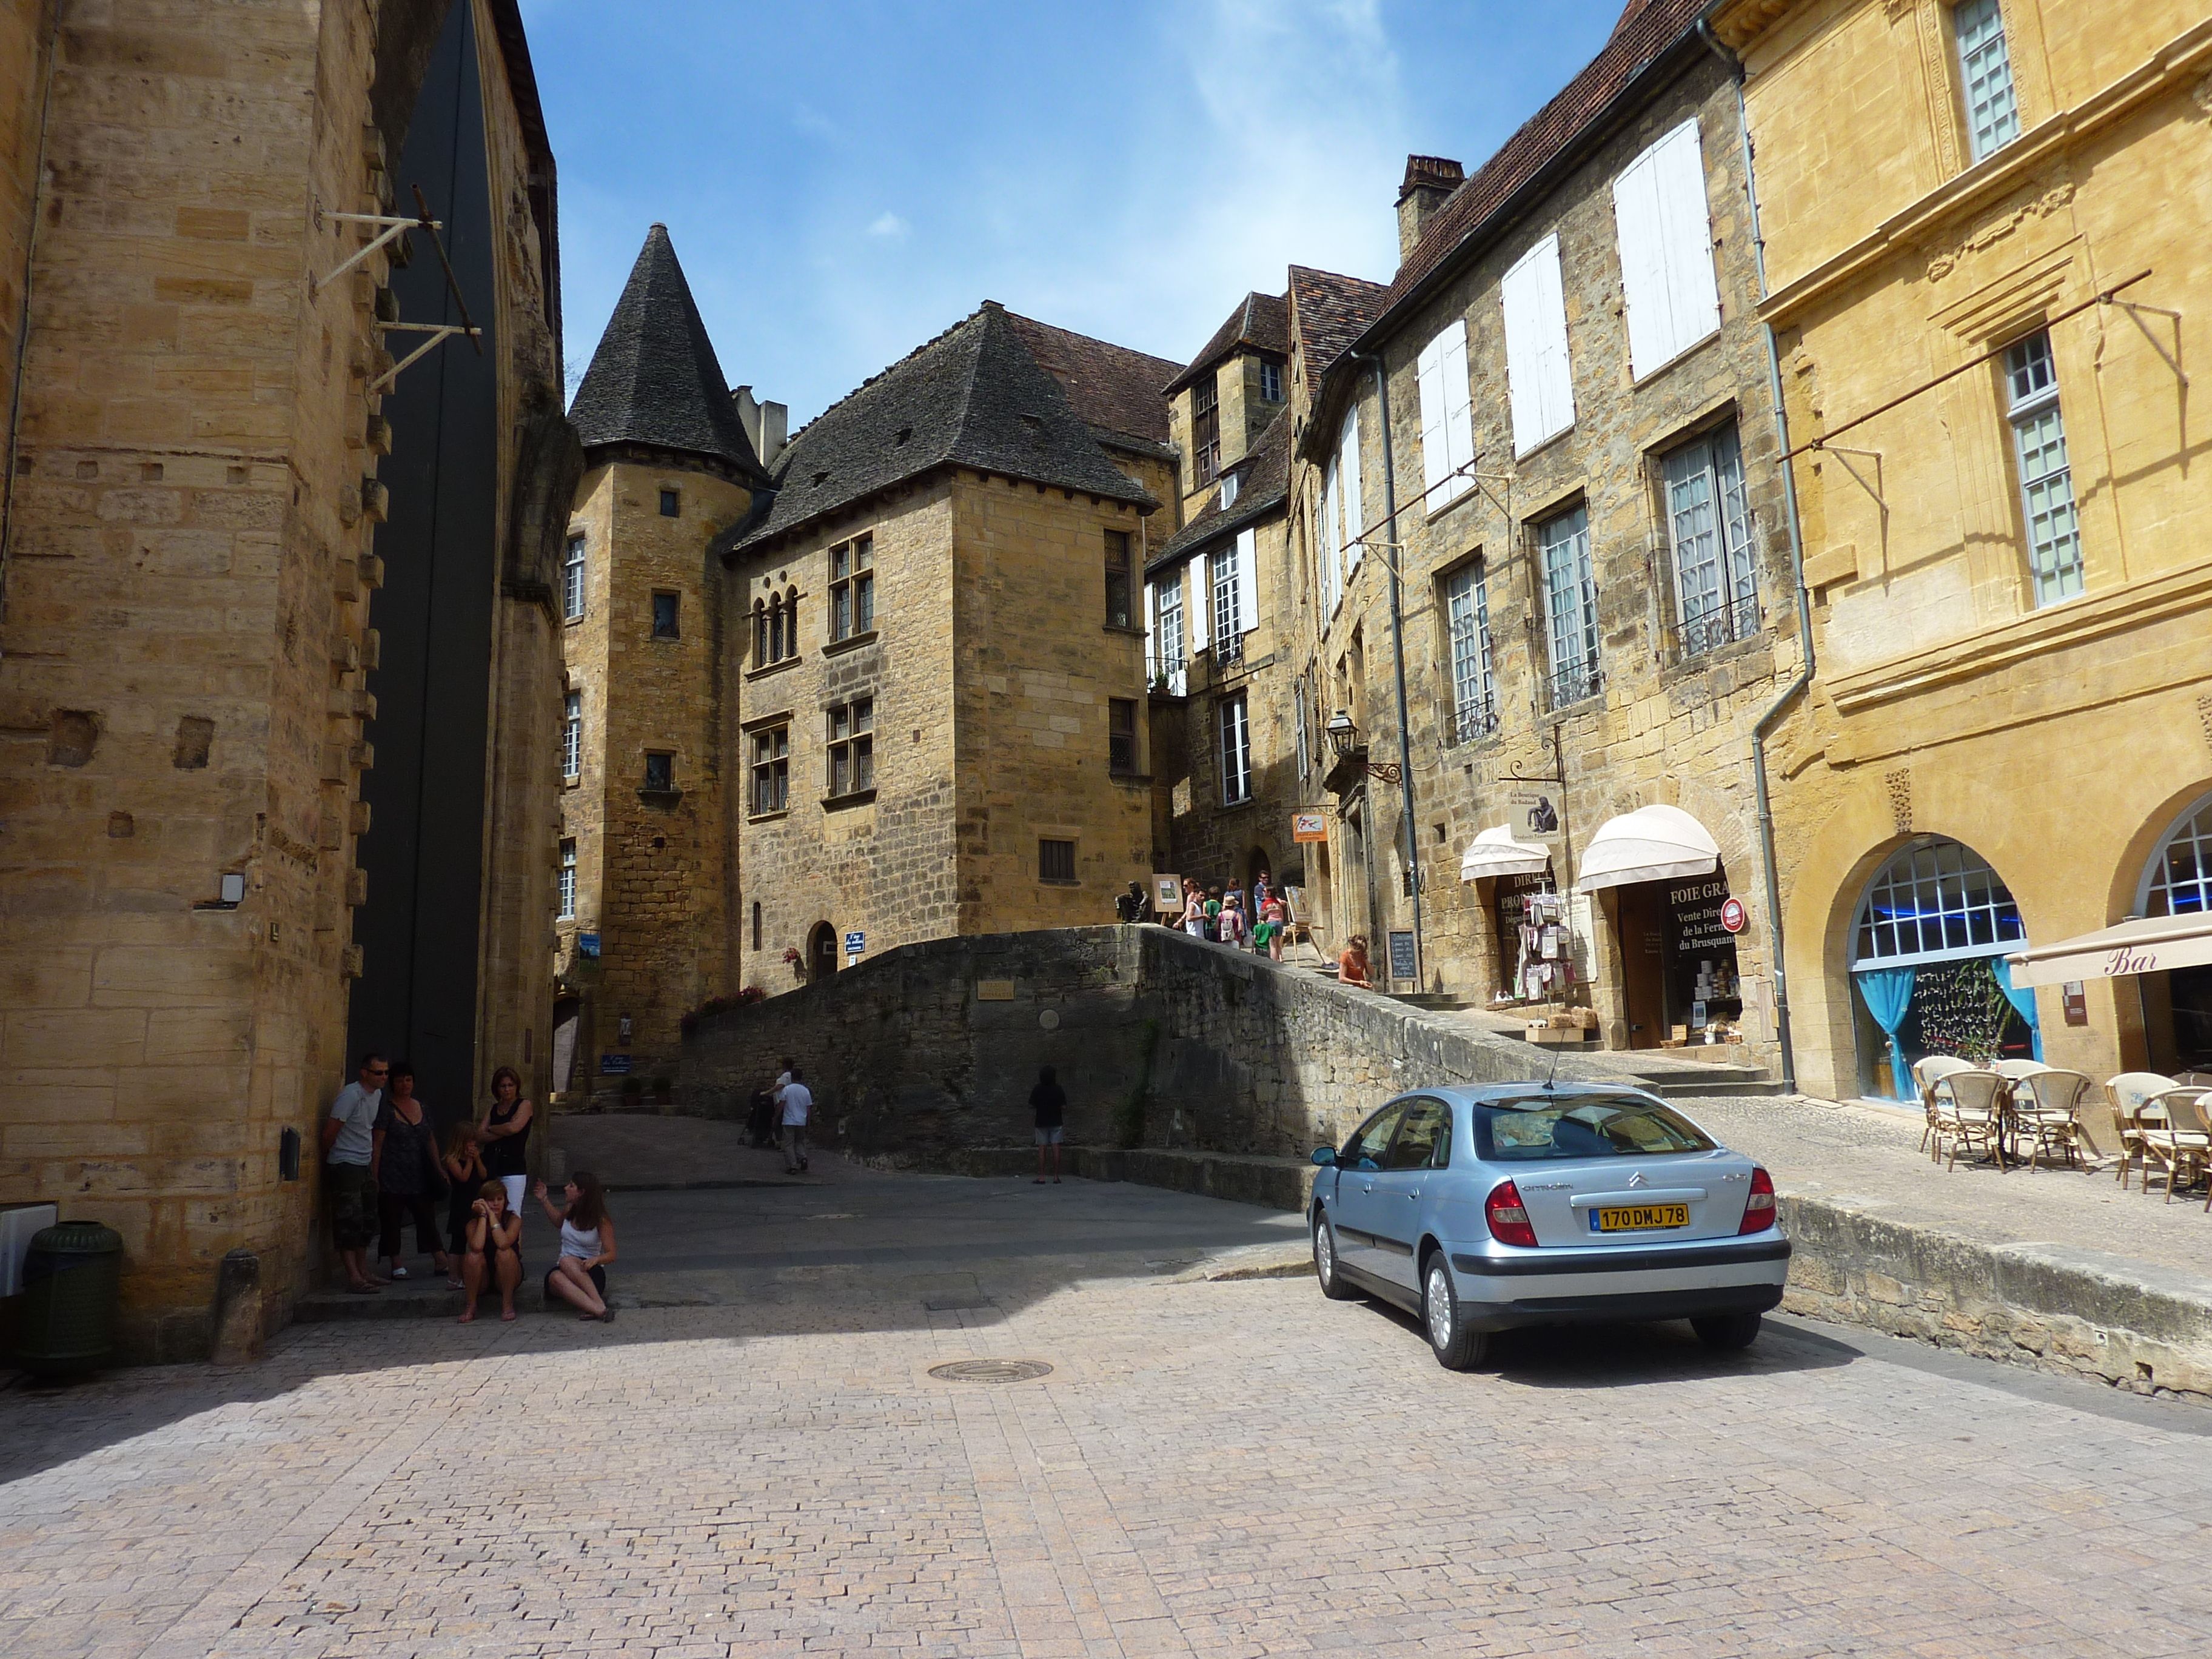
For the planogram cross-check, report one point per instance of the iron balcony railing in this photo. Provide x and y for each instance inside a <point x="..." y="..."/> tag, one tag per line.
<point x="1475" y="718"/>
<point x="1575" y="682"/>
<point x="1715" y="623"/>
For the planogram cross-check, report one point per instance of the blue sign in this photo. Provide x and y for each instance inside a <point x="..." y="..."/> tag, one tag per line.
<point x="613" y="1065"/>
<point x="587" y="944"/>
<point x="855" y="943"/>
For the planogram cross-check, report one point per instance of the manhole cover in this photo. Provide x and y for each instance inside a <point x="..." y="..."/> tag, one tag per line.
<point x="956" y="1303"/>
<point x="991" y="1371"/>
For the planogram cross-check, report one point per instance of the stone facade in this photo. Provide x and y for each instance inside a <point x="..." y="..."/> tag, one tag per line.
<point x="193" y="629"/>
<point x="2056" y="730"/>
<point x="1664" y="714"/>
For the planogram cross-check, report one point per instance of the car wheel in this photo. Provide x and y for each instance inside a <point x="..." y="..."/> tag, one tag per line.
<point x="1727" y="1332"/>
<point x="1458" y="1348"/>
<point x="1324" y="1251"/>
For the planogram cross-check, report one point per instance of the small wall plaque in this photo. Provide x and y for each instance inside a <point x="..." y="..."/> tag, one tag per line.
<point x="994" y="990"/>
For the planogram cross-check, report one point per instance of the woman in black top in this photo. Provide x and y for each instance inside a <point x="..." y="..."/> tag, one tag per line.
<point x="404" y="1158"/>
<point x="506" y="1132"/>
<point x="1049" y="1101"/>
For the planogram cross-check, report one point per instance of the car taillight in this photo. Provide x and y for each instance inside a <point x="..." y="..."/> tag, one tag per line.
<point x="1508" y="1218"/>
<point x="1758" y="1208"/>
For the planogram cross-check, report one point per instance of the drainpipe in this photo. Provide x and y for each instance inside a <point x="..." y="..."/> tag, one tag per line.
<point x="1394" y="560"/>
<point x="23" y="311"/>
<point x="1796" y="687"/>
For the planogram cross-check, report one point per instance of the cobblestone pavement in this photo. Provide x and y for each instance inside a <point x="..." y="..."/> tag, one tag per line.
<point x="1217" y="1469"/>
<point x="1870" y="1156"/>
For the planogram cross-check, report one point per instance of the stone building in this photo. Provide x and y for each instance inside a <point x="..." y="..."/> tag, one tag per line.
<point x="934" y="679"/>
<point x="1556" y="436"/>
<point x="248" y="558"/>
<point x="669" y="465"/>
<point x="1985" y="230"/>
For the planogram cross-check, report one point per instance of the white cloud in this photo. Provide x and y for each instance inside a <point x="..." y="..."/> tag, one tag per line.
<point x="888" y="224"/>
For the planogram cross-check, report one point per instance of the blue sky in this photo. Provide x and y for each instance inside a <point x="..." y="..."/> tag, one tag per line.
<point x="844" y="178"/>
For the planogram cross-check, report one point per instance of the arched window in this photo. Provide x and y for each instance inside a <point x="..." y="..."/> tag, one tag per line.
<point x="775" y="652"/>
<point x="760" y="634"/>
<point x="2179" y="882"/>
<point x="757" y="925"/>
<point x="1935" y="901"/>
<point x="791" y="622"/>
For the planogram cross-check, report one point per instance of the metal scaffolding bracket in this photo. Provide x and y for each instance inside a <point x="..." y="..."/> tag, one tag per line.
<point x="2134" y="310"/>
<point x="438" y="333"/>
<point x="389" y="228"/>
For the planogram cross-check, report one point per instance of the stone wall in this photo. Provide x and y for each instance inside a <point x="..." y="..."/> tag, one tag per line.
<point x="927" y="1055"/>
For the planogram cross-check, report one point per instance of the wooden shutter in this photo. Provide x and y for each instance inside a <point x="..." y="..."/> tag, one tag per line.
<point x="1459" y="407"/>
<point x="1436" y="445"/>
<point x="1686" y="235"/>
<point x="1643" y="266"/>
<point x="1355" y="505"/>
<point x="1536" y="347"/>
<point x="1248" y="580"/>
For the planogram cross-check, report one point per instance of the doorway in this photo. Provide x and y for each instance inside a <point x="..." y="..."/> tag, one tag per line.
<point x="1639" y="921"/>
<point x="821" y="952"/>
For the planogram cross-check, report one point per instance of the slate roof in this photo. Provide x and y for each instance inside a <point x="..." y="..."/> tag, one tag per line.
<point x="1263" y="486"/>
<point x="975" y="396"/>
<point x="1646" y="28"/>
<point x="1261" y="321"/>
<point x="654" y="380"/>
<point x="1333" y="312"/>
<point x="1112" y="388"/>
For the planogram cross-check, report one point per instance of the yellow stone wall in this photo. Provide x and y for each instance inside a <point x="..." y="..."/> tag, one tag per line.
<point x="651" y="870"/>
<point x="26" y="53"/>
<point x="189" y="623"/>
<point x="2057" y="742"/>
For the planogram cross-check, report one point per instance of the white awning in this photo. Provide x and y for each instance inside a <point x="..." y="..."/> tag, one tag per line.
<point x="1653" y="843"/>
<point x="1495" y="853"/>
<point x="2149" y="946"/>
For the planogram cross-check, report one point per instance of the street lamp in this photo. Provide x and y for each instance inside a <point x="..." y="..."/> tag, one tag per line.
<point x="1344" y="737"/>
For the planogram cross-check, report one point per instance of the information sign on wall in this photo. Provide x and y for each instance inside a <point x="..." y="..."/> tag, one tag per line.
<point x="613" y="1065"/>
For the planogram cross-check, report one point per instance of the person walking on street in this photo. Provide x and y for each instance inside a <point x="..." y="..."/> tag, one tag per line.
<point x="1275" y="917"/>
<point x="349" y="1179"/>
<point x="797" y="1102"/>
<point x="404" y="1155"/>
<point x="494" y="1250"/>
<point x="587" y="1244"/>
<point x="1049" y="1101"/>
<point x="1213" y="914"/>
<point x="1193" y="908"/>
<point x="464" y="1169"/>
<point x="506" y="1132"/>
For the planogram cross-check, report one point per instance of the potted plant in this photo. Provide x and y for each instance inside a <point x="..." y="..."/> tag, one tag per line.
<point x="633" y="1090"/>
<point x="664" y="1089"/>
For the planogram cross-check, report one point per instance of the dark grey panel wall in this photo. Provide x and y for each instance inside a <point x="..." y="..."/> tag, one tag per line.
<point x="423" y="851"/>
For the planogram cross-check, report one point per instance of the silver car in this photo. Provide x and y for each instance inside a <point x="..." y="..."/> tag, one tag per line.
<point x="1482" y="1209"/>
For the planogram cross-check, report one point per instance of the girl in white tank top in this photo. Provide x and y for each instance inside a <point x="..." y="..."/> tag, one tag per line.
<point x="587" y="1244"/>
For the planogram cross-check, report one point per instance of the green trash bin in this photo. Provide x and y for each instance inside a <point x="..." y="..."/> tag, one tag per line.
<point x="72" y="1280"/>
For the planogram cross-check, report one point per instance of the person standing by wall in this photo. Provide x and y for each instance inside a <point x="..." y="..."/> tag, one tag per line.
<point x="796" y="1103"/>
<point x="1274" y="918"/>
<point x="348" y="1181"/>
<point x="1049" y="1101"/>
<point x="506" y="1133"/>
<point x="1232" y="921"/>
<point x="404" y="1155"/>
<point x="1352" y="966"/>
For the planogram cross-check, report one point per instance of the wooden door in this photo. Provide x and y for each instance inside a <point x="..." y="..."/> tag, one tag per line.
<point x="1641" y="925"/>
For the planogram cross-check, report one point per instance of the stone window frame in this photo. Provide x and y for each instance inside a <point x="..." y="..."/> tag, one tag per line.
<point x="663" y="763"/>
<point x="769" y="765"/>
<point x="1470" y="653"/>
<point x="1583" y="676"/>
<point x="572" y="737"/>
<point x="1734" y="613"/>
<point x="1205" y="431"/>
<point x="671" y="502"/>
<point x="567" y="879"/>
<point x="1121" y="580"/>
<point x="1123" y="760"/>
<point x="848" y="767"/>
<point x="852" y="590"/>
<point x="1993" y="46"/>
<point x="1271" y="381"/>
<point x="1071" y="878"/>
<point x="2033" y="415"/>
<point x="1232" y="728"/>
<point x="775" y="630"/>
<point x="675" y="628"/>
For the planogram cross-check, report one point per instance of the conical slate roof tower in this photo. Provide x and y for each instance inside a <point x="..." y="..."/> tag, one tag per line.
<point x="654" y="382"/>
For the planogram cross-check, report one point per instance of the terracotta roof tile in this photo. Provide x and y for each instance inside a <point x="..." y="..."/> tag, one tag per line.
<point x="1261" y="321"/>
<point x="1331" y="312"/>
<point x="1112" y="387"/>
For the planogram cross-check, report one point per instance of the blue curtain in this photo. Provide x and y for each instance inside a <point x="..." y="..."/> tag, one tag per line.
<point x="2022" y="999"/>
<point x="1888" y="994"/>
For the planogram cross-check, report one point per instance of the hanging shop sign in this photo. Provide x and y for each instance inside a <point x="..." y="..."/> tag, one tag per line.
<point x="1535" y="814"/>
<point x="1309" y="826"/>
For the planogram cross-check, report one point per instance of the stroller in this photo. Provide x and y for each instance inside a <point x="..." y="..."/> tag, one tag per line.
<point x="760" y="1119"/>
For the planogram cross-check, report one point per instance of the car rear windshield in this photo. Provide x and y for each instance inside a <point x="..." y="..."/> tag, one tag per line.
<point x="1576" y="1126"/>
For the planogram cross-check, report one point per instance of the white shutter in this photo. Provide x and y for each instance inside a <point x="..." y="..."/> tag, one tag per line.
<point x="1355" y="502"/>
<point x="1459" y="407"/>
<point x="1687" y="228"/>
<point x="1332" y="573"/>
<point x="1151" y="632"/>
<point x="1436" y="445"/>
<point x="1643" y="266"/>
<point x="1248" y="580"/>
<point x="1536" y="347"/>
<point x="1197" y="605"/>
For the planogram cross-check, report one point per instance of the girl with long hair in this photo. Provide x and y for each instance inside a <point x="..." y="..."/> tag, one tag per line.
<point x="587" y="1244"/>
<point x="495" y="1246"/>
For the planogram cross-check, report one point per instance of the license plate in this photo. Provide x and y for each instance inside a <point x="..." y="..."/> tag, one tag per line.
<point x="1640" y="1218"/>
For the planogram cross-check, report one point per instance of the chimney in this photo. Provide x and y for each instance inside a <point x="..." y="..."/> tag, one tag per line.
<point x="1428" y="180"/>
<point x="767" y="425"/>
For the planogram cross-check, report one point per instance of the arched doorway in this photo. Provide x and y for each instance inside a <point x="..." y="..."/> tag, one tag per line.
<point x="1927" y="951"/>
<point x="821" y="951"/>
<point x="2177" y="1004"/>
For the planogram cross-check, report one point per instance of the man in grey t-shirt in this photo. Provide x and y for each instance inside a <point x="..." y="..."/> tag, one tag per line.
<point x="349" y="1186"/>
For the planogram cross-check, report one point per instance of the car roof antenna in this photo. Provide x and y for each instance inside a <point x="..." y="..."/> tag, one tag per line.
<point x="1555" y="1067"/>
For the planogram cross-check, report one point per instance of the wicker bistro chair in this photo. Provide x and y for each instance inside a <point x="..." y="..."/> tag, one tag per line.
<point x="1926" y="1072"/>
<point x="1972" y="1103"/>
<point x="2123" y="1094"/>
<point x="2175" y="1136"/>
<point x="2046" y="1113"/>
